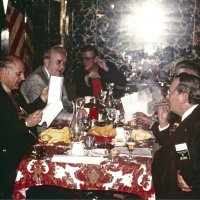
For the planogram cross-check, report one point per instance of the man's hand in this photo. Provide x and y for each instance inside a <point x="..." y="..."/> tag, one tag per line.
<point x="92" y="75"/>
<point x="44" y="95"/>
<point x="34" y="119"/>
<point x="101" y="63"/>
<point x="143" y="119"/>
<point x="163" y="115"/>
<point x="182" y="184"/>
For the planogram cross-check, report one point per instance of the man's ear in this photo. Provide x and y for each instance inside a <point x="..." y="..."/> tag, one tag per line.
<point x="46" y="62"/>
<point x="184" y="97"/>
<point x="4" y="71"/>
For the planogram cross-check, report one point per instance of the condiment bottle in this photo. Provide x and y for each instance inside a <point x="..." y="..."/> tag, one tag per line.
<point x="93" y="112"/>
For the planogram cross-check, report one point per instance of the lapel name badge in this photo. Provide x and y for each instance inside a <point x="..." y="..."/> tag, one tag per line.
<point x="182" y="151"/>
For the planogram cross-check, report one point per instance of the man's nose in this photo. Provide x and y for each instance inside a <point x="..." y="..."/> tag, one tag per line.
<point x="22" y="77"/>
<point x="62" y="65"/>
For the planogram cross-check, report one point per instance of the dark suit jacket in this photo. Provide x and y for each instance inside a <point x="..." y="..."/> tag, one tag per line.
<point x="112" y="76"/>
<point x="15" y="139"/>
<point x="166" y="161"/>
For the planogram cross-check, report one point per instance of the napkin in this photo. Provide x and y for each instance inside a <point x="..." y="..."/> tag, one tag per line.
<point x="137" y="102"/>
<point x="77" y="159"/>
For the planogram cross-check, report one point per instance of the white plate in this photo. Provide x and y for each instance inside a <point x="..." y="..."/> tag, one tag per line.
<point x="118" y="143"/>
<point x="98" y="152"/>
<point x="70" y="153"/>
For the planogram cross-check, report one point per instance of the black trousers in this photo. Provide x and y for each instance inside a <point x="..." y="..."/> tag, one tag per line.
<point x="8" y="166"/>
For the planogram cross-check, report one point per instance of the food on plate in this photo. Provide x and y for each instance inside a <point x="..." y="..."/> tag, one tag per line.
<point x="140" y="134"/>
<point x="105" y="131"/>
<point x="132" y="123"/>
<point x="53" y="135"/>
<point x="114" y="152"/>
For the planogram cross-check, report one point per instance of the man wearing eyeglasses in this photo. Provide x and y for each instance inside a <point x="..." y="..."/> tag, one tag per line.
<point x="176" y="165"/>
<point x="92" y="76"/>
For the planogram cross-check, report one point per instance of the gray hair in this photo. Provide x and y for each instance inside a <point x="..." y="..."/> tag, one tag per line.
<point x="7" y="62"/>
<point x="47" y="54"/>
<point x="189" y="84"/>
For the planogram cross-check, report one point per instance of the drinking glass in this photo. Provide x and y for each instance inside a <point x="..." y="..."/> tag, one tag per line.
<point x="89" y="142"/>
<point x="109" y="147"/>
<point x="112" y="114"/>
<point x="85" y="123"/>
<point x="130" y="146"/>
<point x="114" y="154"/>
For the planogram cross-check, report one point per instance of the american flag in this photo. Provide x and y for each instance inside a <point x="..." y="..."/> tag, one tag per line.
<point x="20" y="34"/>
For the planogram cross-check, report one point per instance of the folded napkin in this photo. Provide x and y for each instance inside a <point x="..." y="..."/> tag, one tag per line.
<point x="77" y="159"/>
<point x="140" y="152"/>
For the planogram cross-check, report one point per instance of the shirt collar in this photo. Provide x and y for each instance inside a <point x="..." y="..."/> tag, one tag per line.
<point x="47" y="72"/>
<point x="188" y="112"/>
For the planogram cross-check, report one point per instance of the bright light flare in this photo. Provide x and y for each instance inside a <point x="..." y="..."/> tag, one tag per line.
<point x="147" y="22"/>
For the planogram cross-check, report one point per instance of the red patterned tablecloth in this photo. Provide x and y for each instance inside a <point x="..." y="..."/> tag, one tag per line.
<point x="118" y="176"/>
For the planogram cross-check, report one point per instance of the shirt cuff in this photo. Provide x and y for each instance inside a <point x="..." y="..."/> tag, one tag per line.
<point x="162" y="129"/>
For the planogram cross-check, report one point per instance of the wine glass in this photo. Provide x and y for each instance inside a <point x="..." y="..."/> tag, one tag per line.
<point x="85" y="123"/>
<point x="111" y="114"/>
<point x="130" y="146"/>
<point x="109" y="147"/>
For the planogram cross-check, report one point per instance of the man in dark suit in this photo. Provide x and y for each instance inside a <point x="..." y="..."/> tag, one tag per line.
<point x="176" y="165"/>
<point x="18" y="121"/>
<point x="93" y="74"/>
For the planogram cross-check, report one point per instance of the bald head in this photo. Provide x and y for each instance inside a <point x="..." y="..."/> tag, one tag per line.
<point x="11" y="72"/>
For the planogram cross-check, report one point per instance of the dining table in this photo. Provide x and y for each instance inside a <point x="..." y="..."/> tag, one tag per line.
<point x="53" y="164"/>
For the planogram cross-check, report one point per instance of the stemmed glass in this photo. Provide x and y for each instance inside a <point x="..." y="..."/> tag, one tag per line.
<point x="108" y="147"/>
<point x="130" y="144"/>
<point x="112" y="114"/>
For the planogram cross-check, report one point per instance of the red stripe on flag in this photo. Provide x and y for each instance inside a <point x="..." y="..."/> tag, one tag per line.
<point x="15" y="23"/>
<point x="17" y="38"/>
<point x="13" y="18"/>
<point x="20" y="34"/>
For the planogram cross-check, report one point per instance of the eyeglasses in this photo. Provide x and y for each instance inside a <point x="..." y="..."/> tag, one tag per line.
<point x="170" y="92"/>
<point x="86" y="59"/>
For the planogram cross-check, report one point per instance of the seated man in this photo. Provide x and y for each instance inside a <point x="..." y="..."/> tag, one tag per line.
<point x="185" y="66"/>
<point x="94" y="73"/>
<point x="54" y="63"/>
<point x="176" y="164"/>
<point x="18" y="121"/>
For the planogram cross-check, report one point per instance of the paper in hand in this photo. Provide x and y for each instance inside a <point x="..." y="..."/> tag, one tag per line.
<point x="54" y="104"/>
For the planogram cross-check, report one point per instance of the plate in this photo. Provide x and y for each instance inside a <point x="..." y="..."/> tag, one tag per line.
<point x="118" y="143"/>
<point x="98" y="152"/>
<point x="70" y="153"/>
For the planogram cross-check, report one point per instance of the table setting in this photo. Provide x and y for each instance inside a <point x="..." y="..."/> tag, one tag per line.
<point x="112" y="156"/>
<point x="86" y="164"/>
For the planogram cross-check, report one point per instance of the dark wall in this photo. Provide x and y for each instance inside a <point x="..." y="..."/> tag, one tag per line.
<point x="46" y="27"/>
<point x="86" y="26"/>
